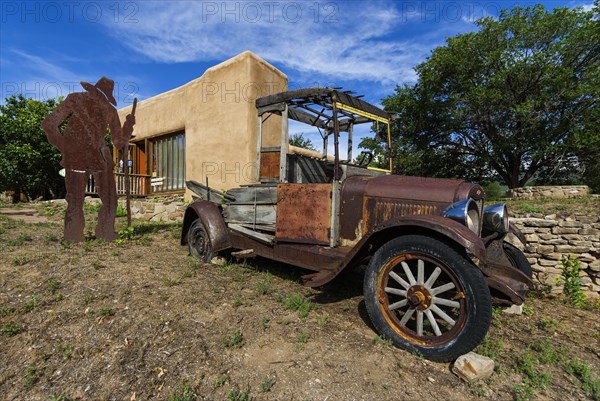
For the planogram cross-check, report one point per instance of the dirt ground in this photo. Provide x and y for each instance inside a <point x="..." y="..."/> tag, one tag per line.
<point x="140" y="320"/>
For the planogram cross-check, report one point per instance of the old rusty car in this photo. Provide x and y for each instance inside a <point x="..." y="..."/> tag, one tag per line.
<point x="436" y="257"/>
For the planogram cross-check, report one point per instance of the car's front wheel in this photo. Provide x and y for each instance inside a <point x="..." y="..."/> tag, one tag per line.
<point x="518" y="259"/>
<point x="427" y="297"/>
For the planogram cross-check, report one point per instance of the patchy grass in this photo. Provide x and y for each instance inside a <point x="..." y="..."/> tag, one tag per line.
<point x="299" y="303"/>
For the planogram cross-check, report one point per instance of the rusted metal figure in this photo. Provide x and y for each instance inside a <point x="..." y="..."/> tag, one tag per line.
<point x="84" y="152"/>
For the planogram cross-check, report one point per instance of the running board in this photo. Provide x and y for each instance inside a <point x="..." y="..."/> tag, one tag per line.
<point x="262" y="237"/>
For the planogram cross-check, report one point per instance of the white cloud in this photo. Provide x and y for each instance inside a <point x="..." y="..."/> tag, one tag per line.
<point x="42" y="79"/>
<point x="353" y="40"/>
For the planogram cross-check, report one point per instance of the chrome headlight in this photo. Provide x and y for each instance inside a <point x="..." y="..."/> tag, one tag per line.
<point x="495" y="218"/>
<point x="465" y="212"/>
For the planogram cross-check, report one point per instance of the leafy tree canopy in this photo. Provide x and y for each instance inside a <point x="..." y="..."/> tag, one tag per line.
<point x="28" y="163"/>
<point x="301" y="141"/>
<point x="516" y="98"/>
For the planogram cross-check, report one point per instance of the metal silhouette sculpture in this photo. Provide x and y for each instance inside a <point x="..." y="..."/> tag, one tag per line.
<point x="85" y="152"/>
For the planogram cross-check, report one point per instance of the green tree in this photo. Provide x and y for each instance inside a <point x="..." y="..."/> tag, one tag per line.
<point x="517" y="97"/>
<point x="301" y="141"/>
<point x="28" y="163"/>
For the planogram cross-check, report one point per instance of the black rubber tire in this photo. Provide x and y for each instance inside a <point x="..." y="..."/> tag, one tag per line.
<point x="473" y="316"/>
<point x="517" y="259"/>
<point x="198" y="242"/>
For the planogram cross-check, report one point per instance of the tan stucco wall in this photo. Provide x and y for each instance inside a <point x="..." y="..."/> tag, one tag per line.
<point x="218" y="114"/>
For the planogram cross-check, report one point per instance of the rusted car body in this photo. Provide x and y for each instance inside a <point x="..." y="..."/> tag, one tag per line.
<point x="435" y="256"/>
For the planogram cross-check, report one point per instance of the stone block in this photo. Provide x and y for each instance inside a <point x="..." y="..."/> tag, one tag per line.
<point x="513" y="310"/>
<point x="572" y="249"/>
<point x="589" y="231"/>
<point x="570" y="224"/>
<point x="537" y="222"/>
<point x="543" y="249"/>
<point x="587" y="244"/>
<point x="564" y="230"/>
<point x="587" y="219"/>
<point x="538" y="268"/>
<point x="553" y="256"/>
<point x="531" y="238"/>
<point x="546" y="263"/>
<point x="594" y="266"/>
<point x="473" y="367"/>
<point x="555" y="241"/>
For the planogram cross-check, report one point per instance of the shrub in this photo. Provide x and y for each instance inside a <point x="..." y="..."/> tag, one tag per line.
<point x="572" y="281"/>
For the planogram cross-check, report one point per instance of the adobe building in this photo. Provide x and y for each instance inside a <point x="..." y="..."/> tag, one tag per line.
<point x="205" y="130"/>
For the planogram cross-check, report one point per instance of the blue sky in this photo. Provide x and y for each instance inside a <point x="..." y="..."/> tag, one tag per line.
<point x="148" y="47"/>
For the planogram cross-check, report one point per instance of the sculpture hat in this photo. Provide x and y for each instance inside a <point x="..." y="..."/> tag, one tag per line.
<point x="104" y="85"/>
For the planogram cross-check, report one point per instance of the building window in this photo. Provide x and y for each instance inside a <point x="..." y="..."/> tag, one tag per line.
<point x="168" y="162"/>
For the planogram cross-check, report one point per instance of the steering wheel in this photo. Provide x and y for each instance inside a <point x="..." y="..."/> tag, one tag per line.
<point x="365" y="158"/>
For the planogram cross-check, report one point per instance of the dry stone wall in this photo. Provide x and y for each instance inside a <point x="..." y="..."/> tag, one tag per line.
<point x="551" y="238"/>
<point x="168" y="211"/>
<point x="549" y="192"/>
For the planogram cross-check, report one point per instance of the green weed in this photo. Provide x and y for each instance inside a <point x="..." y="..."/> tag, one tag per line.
<point x="183" y="392"/>
<point x="52" y="284"/>
<point x="10" y="329"/>
<point x="88" y="298"/>
<point x="237" y="301"/>
<point x="525" y="208"/>
<point x="6" y="310"/>
<point x="32" y="376"/>
<point x="105" y="311"/>
<point x="265" y="285"/>
<point x="20" y="261"/>
<point x="572" y="281"/>
<point x="267" y="384"/>
<point x="534" y="380"/>
<point x="299" y="303"/>
<point x="323" y="319"/>
<point x="583" y="372"/>
<point x="97" y="265"/>
<point x="239" y="395"/>
<point x="221" y="380"/>
<point x="233" y="340"/>
<point x="547" y="324"/>
<point x="384" y="342"/>
<point x="301" y="340"/>
<point x="265" y="322"/>
<point x="33" y="303"/>
<point x="121" y="211"/>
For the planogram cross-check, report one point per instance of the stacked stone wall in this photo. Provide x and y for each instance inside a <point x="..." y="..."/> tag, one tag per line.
<point x="551" y="238"/>
<point x="549" y="192"/>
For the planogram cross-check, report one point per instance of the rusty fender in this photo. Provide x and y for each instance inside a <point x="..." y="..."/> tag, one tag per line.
<point x="424" y="224"/>
<point x="213" y="222"/>
<point x="513" y="229"/>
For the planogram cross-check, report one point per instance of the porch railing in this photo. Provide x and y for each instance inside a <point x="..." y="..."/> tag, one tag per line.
<point x="139" y="184"/>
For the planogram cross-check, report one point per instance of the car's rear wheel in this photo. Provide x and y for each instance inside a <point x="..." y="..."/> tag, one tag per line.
<point x="198" y="242"/>
<point x="427" y="297"/>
